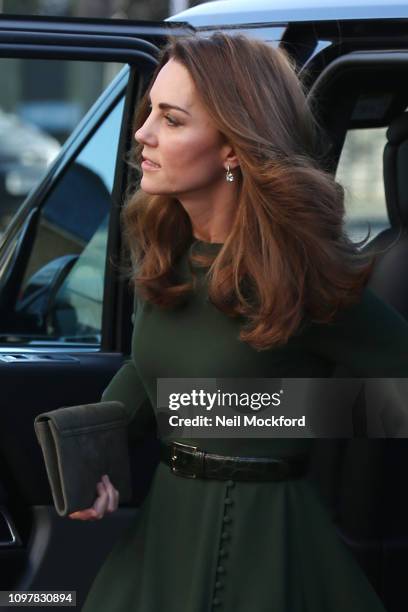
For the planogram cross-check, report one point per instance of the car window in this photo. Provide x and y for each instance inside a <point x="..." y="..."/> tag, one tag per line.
<point x="62" y="290"/>
<point x="360" y="172"/>
<point x="41" y="102"/>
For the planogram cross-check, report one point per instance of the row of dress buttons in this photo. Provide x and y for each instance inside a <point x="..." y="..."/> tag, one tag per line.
<point x="225" y="535"/>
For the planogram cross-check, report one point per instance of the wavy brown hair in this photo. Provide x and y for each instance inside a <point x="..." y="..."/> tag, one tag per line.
<point x="287" y="259"/>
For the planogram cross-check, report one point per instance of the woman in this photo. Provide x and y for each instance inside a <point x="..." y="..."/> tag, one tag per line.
<point x="241" y="268"/>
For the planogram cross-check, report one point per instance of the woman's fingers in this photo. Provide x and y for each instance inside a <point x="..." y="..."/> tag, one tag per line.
<point x="107" y="501"/>
<point x="83" y="515"/>
<point x="98" y="509"/>
<point x="101" y="501"/>
<point x="113" y="494"/>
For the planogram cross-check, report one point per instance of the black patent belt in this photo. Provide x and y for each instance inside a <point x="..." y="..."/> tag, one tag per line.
<point x="191" y="462"/>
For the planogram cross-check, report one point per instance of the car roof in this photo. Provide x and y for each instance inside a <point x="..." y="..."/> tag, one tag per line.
<point x="233" y="12"/>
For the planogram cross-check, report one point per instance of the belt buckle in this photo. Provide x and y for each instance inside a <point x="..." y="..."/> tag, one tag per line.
<point x="174" y="457"/>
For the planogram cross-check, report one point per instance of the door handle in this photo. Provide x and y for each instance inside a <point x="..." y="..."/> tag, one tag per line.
<point x="43" y="357"/>
<point x="9" y="537"/>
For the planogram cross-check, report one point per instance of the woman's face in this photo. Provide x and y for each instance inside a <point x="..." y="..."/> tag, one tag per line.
<point x="188" y="151"/>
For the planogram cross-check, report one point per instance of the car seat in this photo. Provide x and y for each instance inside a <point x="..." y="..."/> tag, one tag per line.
<point x="364" y="480"/>
<point x="392" y="243"/>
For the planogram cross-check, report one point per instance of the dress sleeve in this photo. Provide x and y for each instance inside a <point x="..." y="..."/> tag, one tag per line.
<point x="127" y="387"/>
<point x="369" y="338"/>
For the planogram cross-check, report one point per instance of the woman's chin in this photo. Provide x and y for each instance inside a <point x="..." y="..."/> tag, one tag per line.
<point x="155" y="192"/>
<point x="151" y="189"/>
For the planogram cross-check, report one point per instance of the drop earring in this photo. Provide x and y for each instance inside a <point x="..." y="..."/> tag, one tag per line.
<point x="229" y="177"/>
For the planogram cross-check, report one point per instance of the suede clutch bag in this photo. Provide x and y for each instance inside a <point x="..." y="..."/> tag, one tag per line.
<point x="80" y="444"/>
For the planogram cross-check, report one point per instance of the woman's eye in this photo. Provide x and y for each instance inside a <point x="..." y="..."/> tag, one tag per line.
<point x="171" y="121"/>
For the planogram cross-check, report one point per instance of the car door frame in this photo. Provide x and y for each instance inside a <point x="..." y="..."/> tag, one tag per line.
<point x="38" y="531"/>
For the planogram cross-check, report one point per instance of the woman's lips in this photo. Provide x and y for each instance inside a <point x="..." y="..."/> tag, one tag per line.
<point x="148" y="165"/>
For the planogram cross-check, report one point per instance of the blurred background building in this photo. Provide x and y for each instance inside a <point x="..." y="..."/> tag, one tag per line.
<point x="115" y="9"/>
<point x="41" y="101"/>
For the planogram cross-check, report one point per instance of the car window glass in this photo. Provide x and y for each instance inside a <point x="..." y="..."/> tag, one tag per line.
<point x="360" y="172"/>
<point x="61" y="296"/>
<point x="41" y="102"/>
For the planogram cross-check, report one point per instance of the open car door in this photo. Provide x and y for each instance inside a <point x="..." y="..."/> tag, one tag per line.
<point x="65" y="313"/>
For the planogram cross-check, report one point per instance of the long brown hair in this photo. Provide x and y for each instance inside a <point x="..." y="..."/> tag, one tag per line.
<point x="287" y="258"/>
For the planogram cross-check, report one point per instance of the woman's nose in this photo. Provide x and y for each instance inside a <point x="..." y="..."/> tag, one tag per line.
<point x="139" y="135"/>
<point x="145" y="134"/>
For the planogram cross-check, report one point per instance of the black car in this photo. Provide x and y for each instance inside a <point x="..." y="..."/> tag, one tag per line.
<point x="65" y="312"/>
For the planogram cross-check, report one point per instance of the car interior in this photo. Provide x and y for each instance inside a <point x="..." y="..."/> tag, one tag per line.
<point x="363" y="479"/>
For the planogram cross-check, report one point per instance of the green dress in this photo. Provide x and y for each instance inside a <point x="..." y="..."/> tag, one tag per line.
<point x="223" y="546"/>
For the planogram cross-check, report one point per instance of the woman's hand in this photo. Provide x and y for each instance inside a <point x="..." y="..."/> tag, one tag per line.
<point x="107" y="501"/>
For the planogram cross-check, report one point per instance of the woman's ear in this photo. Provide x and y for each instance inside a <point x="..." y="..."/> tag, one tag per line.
<point x="232" y="161"/>
<point x="229" y="157"/>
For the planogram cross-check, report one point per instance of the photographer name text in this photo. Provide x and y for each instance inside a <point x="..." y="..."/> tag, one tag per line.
<point x="237" y="421"/>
